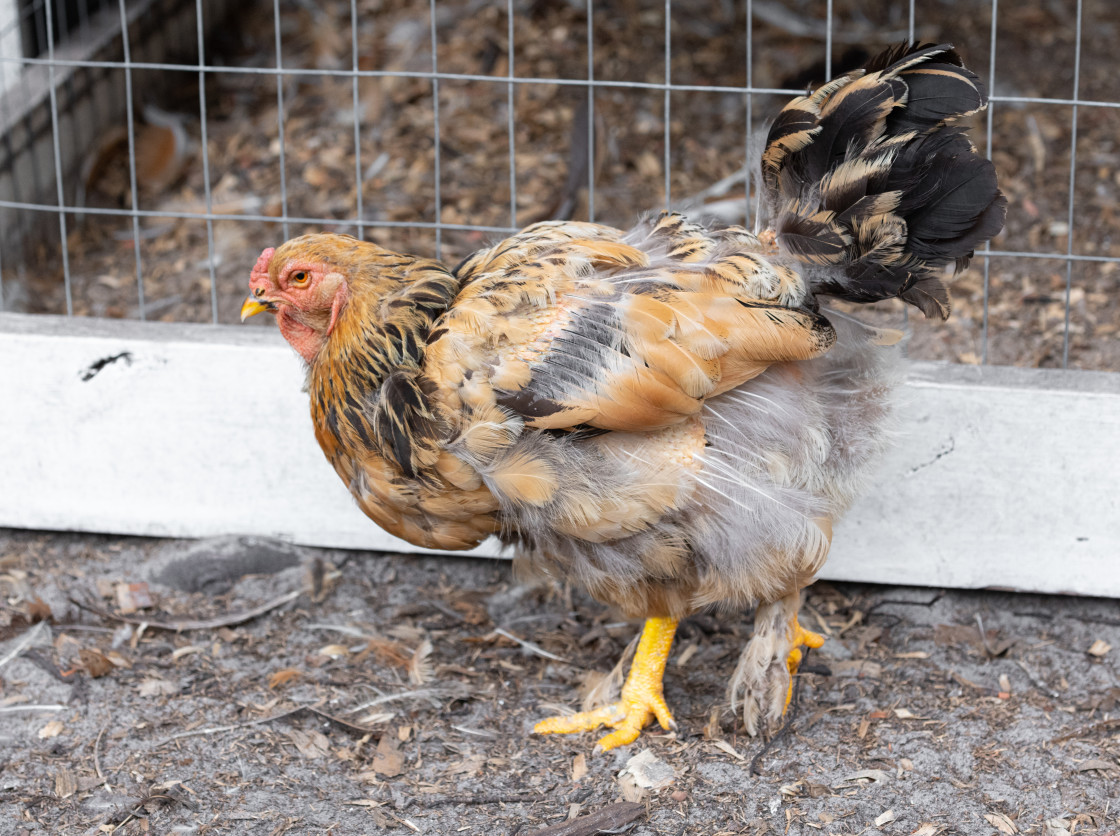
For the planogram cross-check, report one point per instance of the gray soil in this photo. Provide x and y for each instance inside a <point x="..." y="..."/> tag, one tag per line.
<point x="392" y="694"/>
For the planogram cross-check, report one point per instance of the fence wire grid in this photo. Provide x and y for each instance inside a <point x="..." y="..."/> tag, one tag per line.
<point x="121" y="121"/>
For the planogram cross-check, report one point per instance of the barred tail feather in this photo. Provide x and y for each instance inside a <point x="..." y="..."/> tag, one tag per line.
<point x="871" y="187"/>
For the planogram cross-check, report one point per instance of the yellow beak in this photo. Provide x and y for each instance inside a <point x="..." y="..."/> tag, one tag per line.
<point x="251" y="307"/>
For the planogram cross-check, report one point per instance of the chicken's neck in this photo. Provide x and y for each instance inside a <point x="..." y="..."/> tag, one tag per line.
<point x="365" y="383"/>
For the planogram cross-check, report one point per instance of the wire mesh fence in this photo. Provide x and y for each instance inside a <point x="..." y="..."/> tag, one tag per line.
<point x="151" y="148"/>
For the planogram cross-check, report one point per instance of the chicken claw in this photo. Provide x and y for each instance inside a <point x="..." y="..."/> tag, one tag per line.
<point x="641" y="699"/>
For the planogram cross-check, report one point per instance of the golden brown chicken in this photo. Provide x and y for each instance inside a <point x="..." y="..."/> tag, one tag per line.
<point x="664" y="416"/>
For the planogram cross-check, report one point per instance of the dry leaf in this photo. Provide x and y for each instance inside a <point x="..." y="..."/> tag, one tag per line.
<point x="628" y="785"/>
<point x="312" y="744"/>
<point x="468" y="766"/>
<point x="95" y="662"/>
<point x="856" y="778"/>
<point x="153" y="686"/>
<point x="712" y="727"/>
<point x="388" y="760"/>
<point x="189" y="650"/>
<point x="118" y="660"/>
<point x="65" y="783"/>
<point x="927" y="828"/>
<point x="649" y="772"/>
<point x="856" y="667"/>
<point x="377" y="717"/>
<point x="38" y="610"/>
<point x="51" y="729"/>
<point x="885" y="818"/>
<point x="724" y="746"/>
<point x="1055" y="827"/>
<point x="132" y="597"/>
<point x="283" y="677"/>
<point x="1103" y="766"/>
<point x="817" y="790"/>
<point x="579" y="767"/>
<point x="1001" y="823"/>
<point x="1099" y="648"/>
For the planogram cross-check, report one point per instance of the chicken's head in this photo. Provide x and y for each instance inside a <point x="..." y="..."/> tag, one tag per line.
<point x="303" y="284"/>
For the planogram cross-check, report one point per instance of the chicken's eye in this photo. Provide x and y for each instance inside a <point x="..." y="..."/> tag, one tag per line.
<point x="298" y="278"/>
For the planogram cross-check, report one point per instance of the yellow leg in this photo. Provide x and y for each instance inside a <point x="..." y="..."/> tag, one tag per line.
<point x="641" y="699"/>
<point x="800" y="637"/>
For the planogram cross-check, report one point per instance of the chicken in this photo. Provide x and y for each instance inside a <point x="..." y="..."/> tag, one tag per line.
<point x="665" y="416"/>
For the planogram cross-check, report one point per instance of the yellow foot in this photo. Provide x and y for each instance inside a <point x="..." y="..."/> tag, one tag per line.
<point x="800" y="637"/>
<point x="627" y="717"/>
<point x="641" y="700"/>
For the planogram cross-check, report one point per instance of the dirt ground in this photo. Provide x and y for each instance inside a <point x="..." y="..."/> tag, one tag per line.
<point x="337" y="692"/>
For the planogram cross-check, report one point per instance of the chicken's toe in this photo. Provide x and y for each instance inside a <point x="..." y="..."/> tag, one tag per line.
<point x="641" y="700"/>
<point x="627" y="717"/>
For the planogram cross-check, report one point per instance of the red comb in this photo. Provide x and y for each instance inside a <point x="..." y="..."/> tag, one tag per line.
<point x="260" y="269"/>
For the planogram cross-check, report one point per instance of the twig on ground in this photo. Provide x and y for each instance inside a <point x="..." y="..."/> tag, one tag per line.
<point x="97" y="754"/>
<point x="903" y="603"/>
<point x="47" y="666"/>
<point x="1087" y="731"/>
<point x="613" y="819"/>
<point x="229" y="620"/>
<point x="984" y="639"/>
<point x="338" y="721"/>
<point x="419" y="693"/>
<point x="26" y="640"/>
<point x="15" y="709"/>
<point x="169" y="796"/>
<point x="271" y="718"/>
<point x="529" y="646"/>
<point x="497" y="798"/>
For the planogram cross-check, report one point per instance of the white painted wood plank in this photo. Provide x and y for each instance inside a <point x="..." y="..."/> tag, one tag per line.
<point x="1002" y="478"/>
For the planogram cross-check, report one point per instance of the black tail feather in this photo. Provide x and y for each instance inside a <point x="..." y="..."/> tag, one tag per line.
<point x="871" y="186"/>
